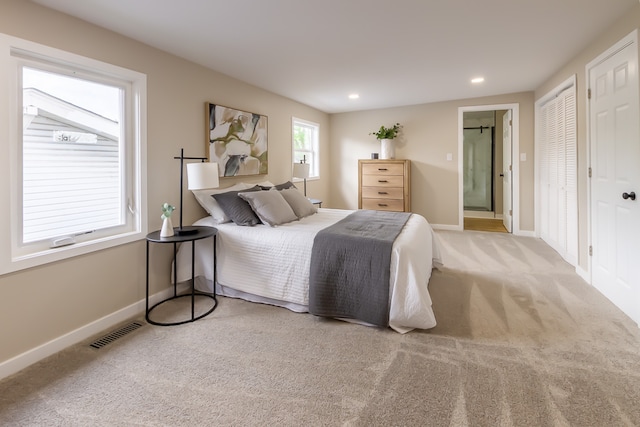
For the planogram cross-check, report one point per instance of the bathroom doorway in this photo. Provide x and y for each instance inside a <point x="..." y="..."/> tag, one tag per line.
<point x="486" y="199"/>
<point x="479" y="159"/>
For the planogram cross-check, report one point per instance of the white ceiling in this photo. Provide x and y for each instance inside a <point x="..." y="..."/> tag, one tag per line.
<point x="392" y="53"/>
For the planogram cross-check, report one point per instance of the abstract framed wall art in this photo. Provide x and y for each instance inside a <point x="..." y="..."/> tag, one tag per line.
<point x="237" y="140"/>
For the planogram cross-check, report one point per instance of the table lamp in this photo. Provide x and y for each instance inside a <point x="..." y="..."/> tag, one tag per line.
<point x="200" y="176"/>
<point x="301" y="170"/>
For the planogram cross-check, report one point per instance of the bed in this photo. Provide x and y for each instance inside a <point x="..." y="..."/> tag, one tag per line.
<point x="271" y="264"/>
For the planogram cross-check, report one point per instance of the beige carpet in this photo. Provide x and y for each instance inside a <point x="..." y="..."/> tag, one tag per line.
<point x="521" y="341"/>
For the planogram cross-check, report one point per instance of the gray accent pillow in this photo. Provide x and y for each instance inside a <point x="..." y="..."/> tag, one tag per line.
<point x="270" y="206"/>
<point x="236" y="208"/>
<point x="301" y="206"/>
<point x="209" y="204"/>
<point x="282" y="186"/>
<point x="285" y="185"/>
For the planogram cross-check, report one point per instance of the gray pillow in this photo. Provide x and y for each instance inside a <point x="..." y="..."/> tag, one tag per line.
<point x="237" y="209"/>
<point x="270" y="206"/>
<point x="282" y="186"/>
<point x="301" y="206"/>
<point x="285" y="185"/>
<point x="209" y="204"/>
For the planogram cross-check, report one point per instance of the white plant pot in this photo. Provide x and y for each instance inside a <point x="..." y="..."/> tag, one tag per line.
<point x="167" y="228"/>
<point x="387" y="149"/>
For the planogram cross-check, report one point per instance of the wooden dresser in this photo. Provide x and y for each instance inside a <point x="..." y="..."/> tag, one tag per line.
<point x="384" y="185"/>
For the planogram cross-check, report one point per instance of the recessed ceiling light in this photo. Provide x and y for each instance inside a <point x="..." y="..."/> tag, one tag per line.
<point x="354" y="96"/>
<point x="477" y="80"/>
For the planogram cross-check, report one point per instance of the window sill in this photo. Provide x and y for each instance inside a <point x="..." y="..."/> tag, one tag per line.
<point x="21" y="262"/>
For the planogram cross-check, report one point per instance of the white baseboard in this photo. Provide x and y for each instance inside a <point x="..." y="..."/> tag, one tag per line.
<point x="21" y="361"/>
<point x="525" y="233"/>
<point x="447" y="227"/>
<point x="584" y="274"/>
<point x="479" y="214"/>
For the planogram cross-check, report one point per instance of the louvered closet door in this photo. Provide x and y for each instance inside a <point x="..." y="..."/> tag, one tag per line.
<point x="558" y="175"/>
<point x="552" y="152"/>
<point x="571" y="183"/>
<point x="543" y="171"/>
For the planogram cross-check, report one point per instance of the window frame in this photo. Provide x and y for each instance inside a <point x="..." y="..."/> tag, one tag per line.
<point x="16" y="53"/>
<point x="314" y="172"/>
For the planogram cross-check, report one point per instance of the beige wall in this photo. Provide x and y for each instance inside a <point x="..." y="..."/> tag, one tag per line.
<point x="44" y="303"/>
<point x="577" y="67"/>
<point x="430" y="131"/>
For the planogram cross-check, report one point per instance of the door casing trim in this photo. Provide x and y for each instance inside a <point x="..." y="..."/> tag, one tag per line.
<point x="515" y="156"/>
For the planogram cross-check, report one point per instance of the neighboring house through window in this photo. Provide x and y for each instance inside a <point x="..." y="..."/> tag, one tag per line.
<point x="78" y="152"/>
<point x="306" y="137"/>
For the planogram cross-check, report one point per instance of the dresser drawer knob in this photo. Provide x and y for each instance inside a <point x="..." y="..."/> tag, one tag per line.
<point x="382" y="180"/>
<point x="382" y="192"/>
<point x="382" y="205"/>
<point x="382" y="169"/>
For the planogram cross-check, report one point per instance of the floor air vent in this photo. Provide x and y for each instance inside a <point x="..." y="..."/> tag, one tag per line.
<point x="109" y="338"/>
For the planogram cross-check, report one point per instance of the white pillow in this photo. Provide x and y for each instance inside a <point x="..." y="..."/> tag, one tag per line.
<point x="209" y="204"/>
<point x="301" y="206"/>
<point x="270" y="206"/>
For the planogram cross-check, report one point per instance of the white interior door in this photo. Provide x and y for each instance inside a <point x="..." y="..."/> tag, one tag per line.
<point x="615" y="156"/>
<point x="506" y="171"/>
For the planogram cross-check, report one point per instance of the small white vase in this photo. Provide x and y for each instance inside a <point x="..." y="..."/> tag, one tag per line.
<point x="167" y="228"/>
<point x="387" y="149"/>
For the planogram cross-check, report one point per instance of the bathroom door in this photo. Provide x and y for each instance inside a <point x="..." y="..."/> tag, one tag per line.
<point x="506" y="171"/>
<point x="478" y="170"/>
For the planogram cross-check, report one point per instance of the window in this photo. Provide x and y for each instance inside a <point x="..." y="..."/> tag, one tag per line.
<point x="306" y="144"/>
<point x="77" y="150"/>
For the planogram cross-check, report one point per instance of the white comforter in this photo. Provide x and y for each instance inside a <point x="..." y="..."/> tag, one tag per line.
<point x="271" y="264"/>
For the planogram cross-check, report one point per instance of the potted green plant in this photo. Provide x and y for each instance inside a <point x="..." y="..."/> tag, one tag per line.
<point x="386" y="135"/>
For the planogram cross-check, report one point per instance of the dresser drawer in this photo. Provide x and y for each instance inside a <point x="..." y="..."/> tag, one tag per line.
<point x="384" y="185"/>
<point x="383" y="169"/>
<point x="383" y="204"/>
<point x="382" y="193"/>
<point x="382" y="181"/>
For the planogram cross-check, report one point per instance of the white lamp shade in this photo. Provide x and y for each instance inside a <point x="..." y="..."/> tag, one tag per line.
<point x="301" y="170"/>
<point x="202" y="175"/>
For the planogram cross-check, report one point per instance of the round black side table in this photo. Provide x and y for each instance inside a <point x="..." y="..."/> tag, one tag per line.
<point x="200" y="233"/>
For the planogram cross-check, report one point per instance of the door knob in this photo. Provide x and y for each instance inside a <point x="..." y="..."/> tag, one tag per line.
<point x="631" y="195"/>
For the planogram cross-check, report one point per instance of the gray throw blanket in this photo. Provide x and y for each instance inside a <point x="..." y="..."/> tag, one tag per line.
<point x="350" y="266"/>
